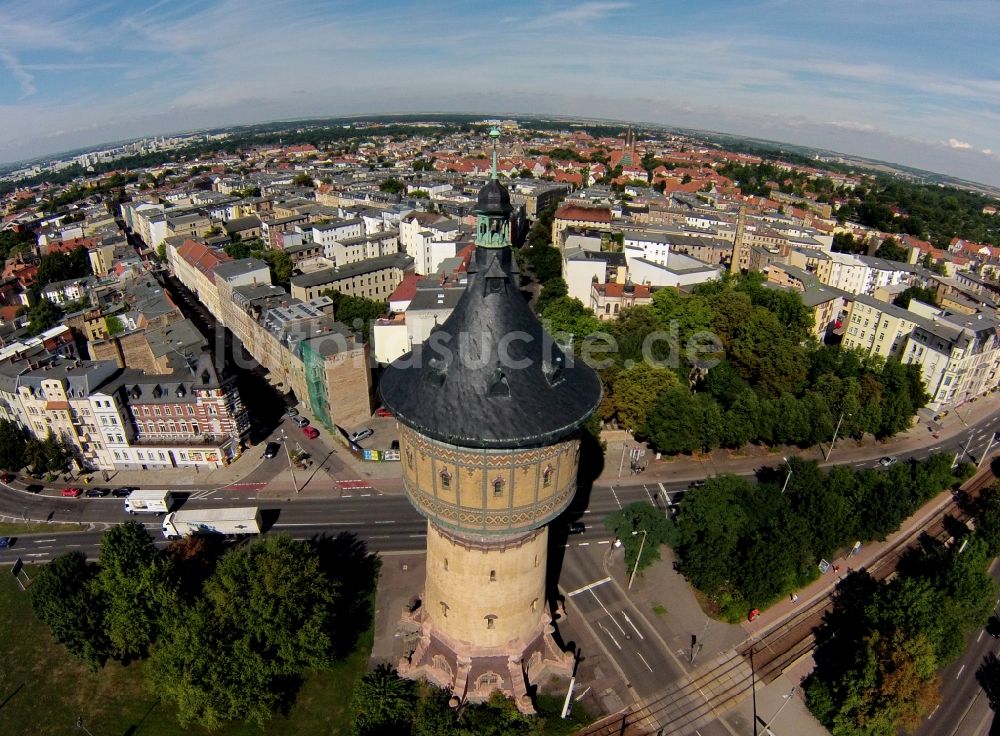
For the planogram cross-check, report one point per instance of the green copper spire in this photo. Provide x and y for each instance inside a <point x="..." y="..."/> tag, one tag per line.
<point x="495" y="135"/>
<point x="493" y="208"/>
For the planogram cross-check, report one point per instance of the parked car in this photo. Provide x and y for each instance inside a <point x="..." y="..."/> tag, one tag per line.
<point x="292" y="411"/>
<point x="993" y="627"/>
<point x="271" y="449"/>
<point x="362" y="434"/>
<point x="887" y="461"/>
<point x="34" y="488"/>
<point x="122" y="492"/>
<point x="7" y="542"/>
<point x="310" y="432"/>
<point x="6" y="477"/>
<point x="394" y="445"/>
<point x="577" y="527"/>
<point x="72" y="492"/>
<point x="96" y="492"/>
<point x="300" y="421"/>
<point x="383" y="412"/>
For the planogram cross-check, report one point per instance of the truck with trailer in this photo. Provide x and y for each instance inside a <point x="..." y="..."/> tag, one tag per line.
<point x="228" y="522"/>
<point x="148" y="502"/>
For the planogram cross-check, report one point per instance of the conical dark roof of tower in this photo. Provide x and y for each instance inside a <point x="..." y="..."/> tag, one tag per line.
<point x="490" y="376"/>
<point x="494" y="199"/>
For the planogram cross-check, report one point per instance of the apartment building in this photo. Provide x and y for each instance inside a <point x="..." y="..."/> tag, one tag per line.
<point x="329" y="233"/>
<point x="958" y="355"/>
<point x="879" y="328"/>
<point x="352" y="250"/>
<point x="194" y="265"/>
<point x="374" y="278"/>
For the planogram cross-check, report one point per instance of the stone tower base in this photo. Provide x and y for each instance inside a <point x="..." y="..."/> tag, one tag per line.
<point x="473" y="673"/>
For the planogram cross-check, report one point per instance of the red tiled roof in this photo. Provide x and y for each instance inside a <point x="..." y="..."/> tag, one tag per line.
<point x="588" y="214"/>
<point x="615" y="290"/>
<point x="406" y="290"/>
<point x="202" y="257"/>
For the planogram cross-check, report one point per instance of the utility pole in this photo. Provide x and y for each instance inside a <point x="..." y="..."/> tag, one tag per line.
<point x="787" y="477"/>
<point x="834" y="440"/>
<point x="638" y="557"/>
<point x="284" y="441"/>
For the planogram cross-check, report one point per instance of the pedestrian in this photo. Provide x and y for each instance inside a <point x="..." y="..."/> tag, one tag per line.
<point x="795" y="598"/>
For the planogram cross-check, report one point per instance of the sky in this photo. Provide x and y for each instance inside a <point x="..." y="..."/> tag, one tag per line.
<point x="915" y="82"/>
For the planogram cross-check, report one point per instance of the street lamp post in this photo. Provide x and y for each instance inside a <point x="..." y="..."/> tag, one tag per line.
<point x="79" y="724"/>
<point x="624" y="448"/>
<point x="773" y="718"/>
<point x="787" y="477"/>
<point x="284" y="441"/>
<point x="638" y="557"/>
<point x="835" y="431"/>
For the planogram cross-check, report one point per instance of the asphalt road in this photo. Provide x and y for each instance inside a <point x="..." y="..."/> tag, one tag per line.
<point x="964" y="708"/>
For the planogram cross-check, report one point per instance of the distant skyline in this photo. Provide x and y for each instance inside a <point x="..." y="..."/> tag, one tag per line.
<point x="914" y="82"/>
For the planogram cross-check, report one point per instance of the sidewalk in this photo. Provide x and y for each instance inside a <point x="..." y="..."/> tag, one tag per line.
<point x="750" y="458"/>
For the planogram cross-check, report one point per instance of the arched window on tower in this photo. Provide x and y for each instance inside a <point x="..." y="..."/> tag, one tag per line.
<point x="491" y="621"/>
<point x="547" y="475"/>
<point x="498" y="484"/>
<point x="445" y="478"/>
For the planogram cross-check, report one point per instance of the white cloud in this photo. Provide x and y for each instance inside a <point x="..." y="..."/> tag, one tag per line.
<point x="851" y="125"/>
<point x="955" y="143"/>
<point x="582" y="13"/>
<point x="987" y="151"/>
<point x="25" y="80"/>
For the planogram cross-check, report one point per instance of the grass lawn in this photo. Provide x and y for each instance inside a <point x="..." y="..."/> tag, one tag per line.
<point x="11" y="529"/>
<point x="43" y="690"/>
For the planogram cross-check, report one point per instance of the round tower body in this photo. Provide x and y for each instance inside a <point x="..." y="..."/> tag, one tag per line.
<point x="489" y="410"/>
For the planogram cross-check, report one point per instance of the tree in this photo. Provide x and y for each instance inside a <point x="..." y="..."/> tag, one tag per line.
<point x="357" y="312"/>
<point x="303" y="180"/>
<point x="566" y="316"/>
<point x="161" y="252"/>
<point x="891" y="250"/>
<point x="42" y="315"/>
<point x="383" y="703"/>
<point x="636" y="389"/>
<point x="139" y="588"/>
<point x="267" y="614"/>
<point x="114" y="325"/>
<point x="280" y="263"/>
<point x="683" y="422"/>
<point x="627" y="524"/>
<point x="64" y="598"/>
<point x="393" y="186"/>
<point x="544" y="260"/>
<point x="920" y="293"/>
<point x="551" y="290"/>
<point x="12" y="445"/>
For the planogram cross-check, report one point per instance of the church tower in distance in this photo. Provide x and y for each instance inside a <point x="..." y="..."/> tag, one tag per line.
<point x="489" y="410"/>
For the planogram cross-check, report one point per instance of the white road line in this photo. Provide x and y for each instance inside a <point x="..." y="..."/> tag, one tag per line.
<point x="648" y="495"/>
<point x="418" y="535"/>
<point x="583" y="544"/>
<point x="71" y="545"/>
<point x="585" y="588"/>
<point x="644" y="660"/>
<point x="365" y="495"/>
<point x="606" y="541"/>
<point x="960" y="670"/>
<point x="387" y="521"/>
<point x="325" y="523"/>
<point x="605" y="630"/>
<point x="931" y="715"/>
<point x="47" y="546"/>
<point x="616" y="496"/>
<point x="633" y="625"/>
<point x="37" y="554"/>
<point x="932" y="449"/>
<point x="39" y="541"/>
<point x="346" y="495"/>
<point x="608" y="613"/>
<point x="980" y="636"/>
<point x="663" y="489"/>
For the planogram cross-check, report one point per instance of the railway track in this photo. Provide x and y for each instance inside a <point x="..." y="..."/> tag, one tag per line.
<point x="705" y="694"/>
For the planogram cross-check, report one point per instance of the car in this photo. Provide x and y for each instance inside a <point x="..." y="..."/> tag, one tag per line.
<point x="271" y="449"/>
<point x="6" y="477"/>
<point x="34" y="488"/>
<point x="993" y="627"/>
<point x="362" y="434"/>
<point x="394" y="445"/>
<point x="887" y="461"/>
<point x="96" y="492"/>
<point x="122" y="492"/>
<point x="310" y="432"/>
<point x="7" y="542"/>
<point x="291" y="411"/>
<point x="577" y="527"/>
<point x="72" y="492"/>
<point x="383" y="412"/>
<point x="300" y="421"/>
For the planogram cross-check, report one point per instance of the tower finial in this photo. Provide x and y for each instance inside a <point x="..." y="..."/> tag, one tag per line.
<point x="494" y="134"/>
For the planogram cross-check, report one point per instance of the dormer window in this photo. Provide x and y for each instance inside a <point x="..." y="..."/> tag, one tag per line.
<point x="445" y="478"/>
